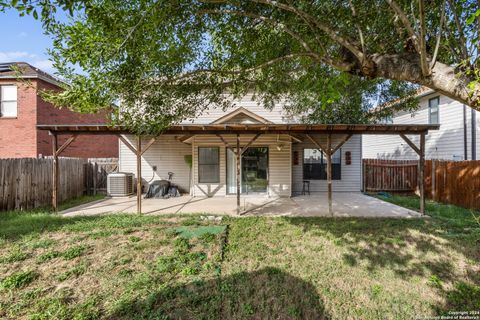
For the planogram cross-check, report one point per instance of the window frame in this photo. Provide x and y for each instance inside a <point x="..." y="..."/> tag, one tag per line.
<point x="208" y="164"/>
<point x="437" y="98"/>
<point x="336" y="167"/>
<point x="2" y="101"/>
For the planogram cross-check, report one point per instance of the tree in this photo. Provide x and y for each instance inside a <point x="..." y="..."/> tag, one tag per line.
<point x="168" y="59"/>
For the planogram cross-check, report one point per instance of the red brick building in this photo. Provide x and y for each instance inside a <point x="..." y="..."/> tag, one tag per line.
<point x="21" y="109"/>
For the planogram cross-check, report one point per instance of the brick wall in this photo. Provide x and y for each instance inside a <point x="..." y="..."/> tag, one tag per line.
<point x="84" y="146"/>
<point x="20" y="138"/>
<point x="18" y="135"/>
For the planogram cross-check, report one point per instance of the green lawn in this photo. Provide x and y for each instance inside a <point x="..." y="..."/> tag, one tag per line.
<point x="188" y="267"/>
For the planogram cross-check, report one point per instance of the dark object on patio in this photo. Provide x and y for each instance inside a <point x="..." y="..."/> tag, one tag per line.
<point x="158" y="189"/>
<point x="306" y="187"/>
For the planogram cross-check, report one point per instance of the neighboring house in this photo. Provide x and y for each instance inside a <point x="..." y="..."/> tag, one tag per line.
<point x="458" y="137"/>
<point x="21" y="109"/>
<point x="273" y="165"/>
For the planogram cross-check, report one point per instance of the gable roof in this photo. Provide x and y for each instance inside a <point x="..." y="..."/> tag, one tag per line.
<point x="27" y="71"/>
<point x="239" y="113"/>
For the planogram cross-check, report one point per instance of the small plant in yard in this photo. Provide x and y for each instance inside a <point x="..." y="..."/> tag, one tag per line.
<point x="15" y="255"/>
<point x="73" y="272"/>
<point x="435" y="281"/>
<point x="74" y="252"/>
<point x="18" y="280"/>
<point x="134" y="239"/>
<point x="48" y="256"/>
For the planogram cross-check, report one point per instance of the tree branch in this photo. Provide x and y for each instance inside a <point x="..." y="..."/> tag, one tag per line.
<point x="463" y="43"/>
<point x="331" y="33"/>
<point x="439" y="36"/>
<point x="342" y="66"/>
<point x="423" y="48"/>
<point x="360" y="33"/>
<point x="405" y="21"/>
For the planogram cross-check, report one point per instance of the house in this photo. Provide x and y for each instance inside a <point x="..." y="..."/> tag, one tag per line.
<point x="247" y="150"/>
<point x="22" y="109"/>
<point x="286" y="159"/>
<point x="457" y="139"/>
<point x="273" y="164"/>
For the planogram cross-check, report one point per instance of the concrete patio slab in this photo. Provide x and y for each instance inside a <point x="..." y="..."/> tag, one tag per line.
<point x="316" y="205"/>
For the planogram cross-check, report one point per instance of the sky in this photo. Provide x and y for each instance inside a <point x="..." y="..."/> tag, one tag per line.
<point x="23" y="40"/>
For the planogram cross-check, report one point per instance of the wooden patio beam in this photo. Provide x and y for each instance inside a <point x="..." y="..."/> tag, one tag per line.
<point x="139" y="174"/>
<point x="341" y="143"/>
<point x="317" y="144"/>
<point x="410" y="143"/>
<point x="127" y="143"/>
<point x="250" y="143"/>
<point x="66" y="144"/>
<point x="329" y="174"/>
<point x="55" y="172"/>
<point x="56" y="151"/>
<point x="238" y="157"/>
<point x="421" y="178"/>
<point x="227" y="145"/>
<point x="148" y="145"/>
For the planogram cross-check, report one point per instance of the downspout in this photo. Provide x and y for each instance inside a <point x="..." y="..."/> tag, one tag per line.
<point x="474" y="134"/>
<point x="465" y="139"/>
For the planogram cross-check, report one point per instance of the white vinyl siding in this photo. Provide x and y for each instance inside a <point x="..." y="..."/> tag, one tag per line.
<point x="8" y="101"/>
<point x="351" y="174"/>
<point x="275" y="115"/>
<point x="167" y="153"/>
<point x="446" y="143"/>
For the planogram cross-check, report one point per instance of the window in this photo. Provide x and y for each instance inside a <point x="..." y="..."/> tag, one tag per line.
<point x="433" y="110"/>
<point x="387" y="120"/>
<point x="8" y="101"/>
<point x="208" y="165"/>
<point x="315" y="165"/>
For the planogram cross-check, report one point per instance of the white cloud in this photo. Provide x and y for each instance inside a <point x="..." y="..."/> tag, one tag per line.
<point x="12" y="56"/>
<point x="22" y="34"/>
<point x="45" y="65"/>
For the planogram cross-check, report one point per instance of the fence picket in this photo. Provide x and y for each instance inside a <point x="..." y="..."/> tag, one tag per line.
<point x="452" y="182"/>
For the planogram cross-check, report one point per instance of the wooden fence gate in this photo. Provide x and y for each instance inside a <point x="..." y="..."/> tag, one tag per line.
<point x="451" y="182"/>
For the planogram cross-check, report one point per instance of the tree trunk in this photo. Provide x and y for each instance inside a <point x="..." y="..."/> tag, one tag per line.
<point x="444" y="78"/>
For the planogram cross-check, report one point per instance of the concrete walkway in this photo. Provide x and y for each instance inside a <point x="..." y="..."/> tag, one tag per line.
<point x="345" y="204"/>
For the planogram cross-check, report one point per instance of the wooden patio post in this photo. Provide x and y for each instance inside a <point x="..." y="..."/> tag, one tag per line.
<point x="238" y="154"/>
<point x="421" y="178"/>
<point x="55" y="172"/>
<point x="328" y="153"/>
<point x="139" y="174"/>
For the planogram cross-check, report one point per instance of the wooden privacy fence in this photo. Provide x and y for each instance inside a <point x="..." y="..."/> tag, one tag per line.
<point x="451" y="182"/>
<point x="26" y="183"/>
<point x="390" y="175"/>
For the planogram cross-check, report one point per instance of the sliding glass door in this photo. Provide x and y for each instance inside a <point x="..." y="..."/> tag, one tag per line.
<point x="254" y="170"/>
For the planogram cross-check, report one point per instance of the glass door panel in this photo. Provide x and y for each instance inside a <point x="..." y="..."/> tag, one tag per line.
<point x="255" y="170"/>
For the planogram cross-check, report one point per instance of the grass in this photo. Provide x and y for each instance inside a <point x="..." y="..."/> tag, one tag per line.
<point x="185" y="267"/>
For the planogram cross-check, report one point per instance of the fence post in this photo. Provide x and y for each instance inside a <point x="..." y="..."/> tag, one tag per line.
<point x="95" y="169"/>
<point x="434" y="177"/>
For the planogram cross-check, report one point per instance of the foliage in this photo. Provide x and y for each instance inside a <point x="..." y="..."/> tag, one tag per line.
<point x="18" y="280"/>
<point x="165" y="61"/>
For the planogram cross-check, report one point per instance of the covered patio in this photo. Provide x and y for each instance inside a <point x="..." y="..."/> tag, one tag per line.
<point x="326" y="204"/>
<point x="345" y="204"/>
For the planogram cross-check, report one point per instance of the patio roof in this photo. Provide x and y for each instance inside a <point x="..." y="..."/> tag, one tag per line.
<point x="252" y="128"/>
<point x="256" y="129"/>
